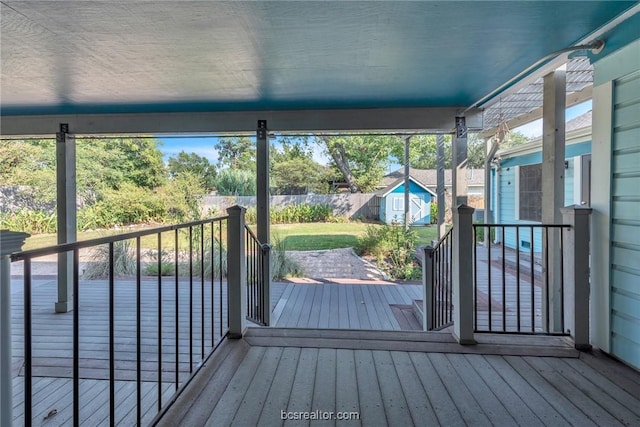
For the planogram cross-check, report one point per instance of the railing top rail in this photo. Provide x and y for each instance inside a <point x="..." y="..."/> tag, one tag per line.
<point x="478" y="225"/>
<point x="251" y="233"/>
<point x="66" y="247"/>
<point x="440" y="242"/>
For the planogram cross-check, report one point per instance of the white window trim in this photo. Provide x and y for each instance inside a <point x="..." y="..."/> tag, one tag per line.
<point x="577" y="180"/>
<point x="397" y="203"/>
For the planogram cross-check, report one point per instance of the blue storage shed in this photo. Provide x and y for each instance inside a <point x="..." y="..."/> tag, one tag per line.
<point x="392" y="202"/>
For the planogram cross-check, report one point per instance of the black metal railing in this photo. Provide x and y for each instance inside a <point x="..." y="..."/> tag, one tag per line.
<point x="134" y="337"/>
<point x="257" y="259"/>
<point x="516" y="289"/>
<point x="441" y="307"/>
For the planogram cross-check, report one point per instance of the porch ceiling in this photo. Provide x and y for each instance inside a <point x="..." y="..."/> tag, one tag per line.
<point x="69" y="57"/>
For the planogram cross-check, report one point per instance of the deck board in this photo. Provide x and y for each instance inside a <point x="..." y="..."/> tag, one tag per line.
<point x="392" y="387"/>
<point x="393" y="399"/>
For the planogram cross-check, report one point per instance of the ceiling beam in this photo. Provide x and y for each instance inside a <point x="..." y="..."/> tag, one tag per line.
<point x="573" y="98"/>
<point x="380" y="119"/>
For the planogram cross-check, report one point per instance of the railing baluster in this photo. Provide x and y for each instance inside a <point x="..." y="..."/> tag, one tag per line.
<point x="160" y="322"/>
<point x="190" y="299"/>
<point x="139" y="329"/>
<point x="562" y="280"/>
<point x="518" y="277"/>
<point x="202" y="291"/>
<point x="504" y="286"/>
<point x="489" y="282"/>
<point x="213" y="278"/>
<point x="177" y="312"/>
<point x="28" y="350"/>
<point x="533" y="281"/>
<point x="76" y="335"/>
<point x="112" y="337"/>
<point x="220" y="264"/>
<point x="546" y="281"/>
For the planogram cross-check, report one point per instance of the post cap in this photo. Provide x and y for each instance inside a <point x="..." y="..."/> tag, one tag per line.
<point x="236" y="209"/>
<point x="11" y="241"/>
<point x="576" y="210"/>
<point x="465" y="209"/>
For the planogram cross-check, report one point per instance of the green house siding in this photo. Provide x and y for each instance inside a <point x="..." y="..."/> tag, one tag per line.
<point x="507" y="192"/>
<point x="625" y="219"/>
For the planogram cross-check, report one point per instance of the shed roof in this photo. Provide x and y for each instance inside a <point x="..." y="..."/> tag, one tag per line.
<point x="398" y="182"/>
<point x="429" y="177"/>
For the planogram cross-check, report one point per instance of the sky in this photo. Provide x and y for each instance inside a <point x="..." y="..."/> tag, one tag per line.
<point x="205" y="145"/>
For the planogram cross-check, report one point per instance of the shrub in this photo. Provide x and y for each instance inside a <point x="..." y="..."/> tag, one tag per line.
<point x="167" y="267"/>
<point x="294" y="214"/>
<point x="29" y="221"/>
<point x="124" y="262"/>
<point x="282" y="265"/>
<point x="394" y="249"/>
<point x="434" y="213"/>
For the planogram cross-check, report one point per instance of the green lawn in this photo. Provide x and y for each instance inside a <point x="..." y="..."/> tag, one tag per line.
<point x="298" y="237"/>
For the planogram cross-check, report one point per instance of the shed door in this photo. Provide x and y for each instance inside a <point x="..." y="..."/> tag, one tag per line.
<point x="416" y="209"/>
<point x="625" y="221"/>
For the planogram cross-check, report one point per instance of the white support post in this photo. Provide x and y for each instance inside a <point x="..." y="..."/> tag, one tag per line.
<point x="427" y="288"/>
<point x="459" y="164"/>
<point x="263" y="208"/>
<point x="10" y="242"/>
<point x="407" y="172"/>
<point x="440" y="187"/>
<point x="553" y="148"/>
<point x="462" y="263"/>
<point x="66" y="214"/>
<point x="576" y="274"/>
<point x="236" y="271"/>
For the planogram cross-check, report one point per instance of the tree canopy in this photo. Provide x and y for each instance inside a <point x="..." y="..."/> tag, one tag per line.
<point x="194" y="164"/>
<point x="236" y="153"/>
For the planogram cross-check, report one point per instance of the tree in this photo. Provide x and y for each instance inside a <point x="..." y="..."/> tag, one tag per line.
<point x="297" y="175"/>
<point x="236" y="153"/>
<point x="141" y="162"/>
<point x="513" y="139"/>
<point x="423" y="152"/>
<point x="236" y="182"/>
<point x="194" y="164"/>
<point x="360" y="160"/>
<point x="293" y="170"/>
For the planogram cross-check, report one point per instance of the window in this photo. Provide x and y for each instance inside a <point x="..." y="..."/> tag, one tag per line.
<point x="530" y="187"/>
<point x="398" y="204"/>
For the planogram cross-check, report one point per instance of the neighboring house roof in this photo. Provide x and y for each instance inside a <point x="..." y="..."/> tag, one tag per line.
<point x="398" y="182"/>
<point x="577" y="130"/>
<point x="429" y="177"/>
<point x="579" y="122"/>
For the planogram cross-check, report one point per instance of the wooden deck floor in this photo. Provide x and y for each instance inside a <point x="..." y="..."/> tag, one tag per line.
<point x="345" y="306"/>
<point x="383" y="383"/>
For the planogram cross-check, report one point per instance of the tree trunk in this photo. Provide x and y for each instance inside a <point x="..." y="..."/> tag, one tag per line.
<point x="341" y="160"/>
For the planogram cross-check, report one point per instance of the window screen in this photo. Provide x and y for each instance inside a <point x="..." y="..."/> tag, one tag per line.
<point x="531" y="192"/>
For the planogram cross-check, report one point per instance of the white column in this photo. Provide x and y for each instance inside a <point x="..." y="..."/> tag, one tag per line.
<point x="66" y="214"/>
<point x="236" y="272"/>
<point x="407" y="172"/>
<point x="459" y="164"/>
<point x="576" y="274"/>
<point x="263" y="209"/>
<point x="553" y="147"/>
<point x="440" y="188"/>
<point x="10" y="242"/>
<point x="463" y="274"/>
